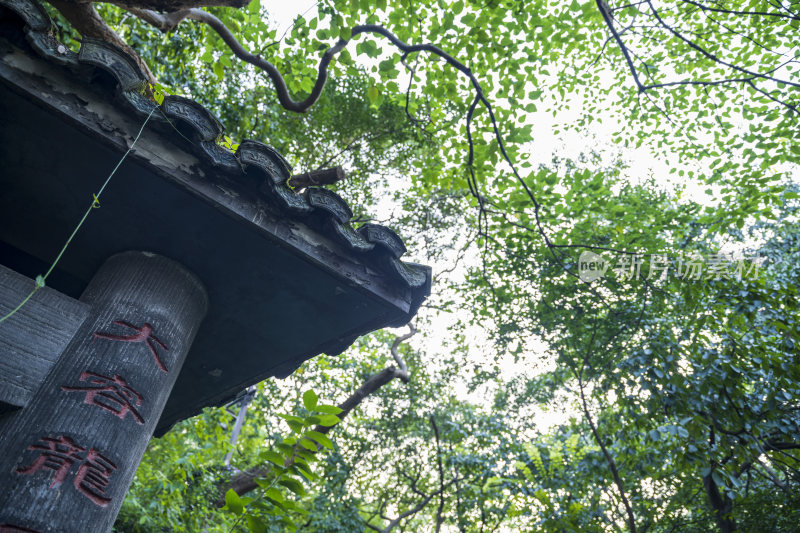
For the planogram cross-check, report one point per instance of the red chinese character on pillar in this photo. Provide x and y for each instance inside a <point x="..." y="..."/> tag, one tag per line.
<point x="60" y="453"/>
<point x="57" y="454"/>
<point x="112" y="394"/>
<point x="143" y="334"/>
<point x="92" y="477"/>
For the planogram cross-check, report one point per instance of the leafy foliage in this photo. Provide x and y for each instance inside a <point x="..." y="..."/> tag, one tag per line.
<point x="634" y="402"/>
<point x="289" y="470"/>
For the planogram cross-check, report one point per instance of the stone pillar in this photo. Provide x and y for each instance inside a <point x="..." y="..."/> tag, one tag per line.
<point x="68" y="458"/>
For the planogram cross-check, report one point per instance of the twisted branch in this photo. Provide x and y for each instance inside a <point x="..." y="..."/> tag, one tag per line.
<point x="244" y="482"/>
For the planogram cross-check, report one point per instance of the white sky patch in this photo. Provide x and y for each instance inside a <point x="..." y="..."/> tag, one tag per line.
<point x="282" y="13"/>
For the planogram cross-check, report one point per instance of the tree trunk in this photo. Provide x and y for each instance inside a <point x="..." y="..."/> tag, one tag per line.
<point x="721" y="504"/>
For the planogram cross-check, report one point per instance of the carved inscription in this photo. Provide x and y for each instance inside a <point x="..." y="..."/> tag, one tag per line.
<point x="112" y="394"/>
<point x="60" y="454"/>
<point x="143" y="335"/>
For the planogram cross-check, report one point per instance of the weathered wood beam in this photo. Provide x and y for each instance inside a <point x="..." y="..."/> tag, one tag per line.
<point x="327" y="176"/>
<point x="32" y="338"/>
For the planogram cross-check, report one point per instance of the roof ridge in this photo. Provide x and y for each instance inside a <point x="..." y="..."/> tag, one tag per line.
<point x="320" y="208"/>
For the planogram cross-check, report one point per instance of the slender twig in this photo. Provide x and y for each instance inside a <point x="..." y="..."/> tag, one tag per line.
<point x="712" y="56"/>
<point x="700" y="83"/>
<point x="602" y="6"/>
<point x="604" y="449"/>
<point x="781" y="102"/>
<point x="441" y="475"/>
<point x="745" y="13"/>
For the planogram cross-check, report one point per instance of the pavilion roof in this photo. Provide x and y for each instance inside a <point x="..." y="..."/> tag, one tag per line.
<point x="229" y="217"/>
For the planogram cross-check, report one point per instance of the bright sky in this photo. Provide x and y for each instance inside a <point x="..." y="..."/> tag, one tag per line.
<point x="282" y="13"/>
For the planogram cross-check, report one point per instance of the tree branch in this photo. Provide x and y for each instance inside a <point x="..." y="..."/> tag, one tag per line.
<point x="720" y="504"/>
<point x="169" y="6"/>
<point x="699" y="83"/>
<point x="711" y="56"/>
<point x="609" y="459"/>
<point x="165" y="22"/>
<point x="603" y="7"/>
<point x="403" y="375"/>
<point x="746" y="13"/>
<point x="288" y="103"/>
<point x="244" y="482"/>
<point x="394" y="522"/>
<point x="439" y="519"/>
<point x="89" y="23"/>
<point x="612" y="464"/>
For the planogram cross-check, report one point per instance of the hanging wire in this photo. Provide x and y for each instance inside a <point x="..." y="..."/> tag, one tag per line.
<point x="40" y="280"/>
